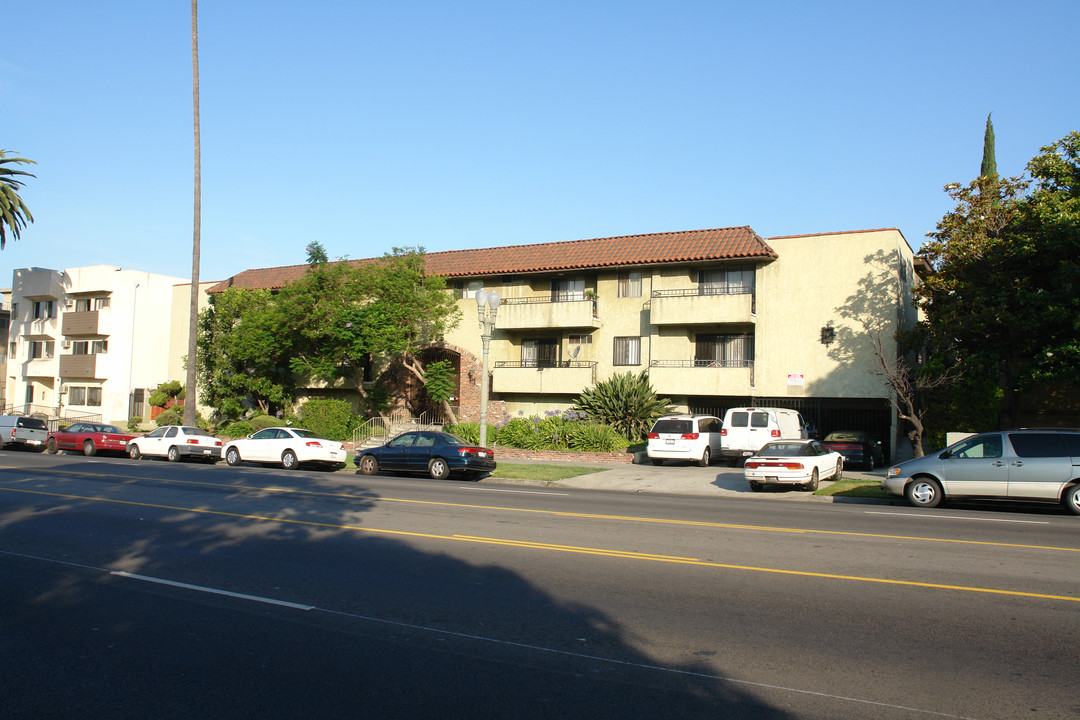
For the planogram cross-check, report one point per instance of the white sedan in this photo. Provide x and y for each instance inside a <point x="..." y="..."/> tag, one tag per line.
<point x="176" y="442"/>
<point x="793" y="462"/>
<point x="289" y="446"/>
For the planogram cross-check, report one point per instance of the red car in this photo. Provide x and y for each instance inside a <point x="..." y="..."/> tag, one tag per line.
<point x="89" y="438"/>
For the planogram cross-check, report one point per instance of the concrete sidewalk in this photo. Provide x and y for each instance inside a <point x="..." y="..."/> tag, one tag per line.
<point x="673" y="479"/>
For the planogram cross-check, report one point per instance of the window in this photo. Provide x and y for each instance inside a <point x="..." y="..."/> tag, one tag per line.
<point x="629" y="285"/>
<point x="99" y="346"/>
<point x="101" y="303"/>
<point x="80" y="347"/>
<point x="726" y="282"/>
<point x="13" y="349"/>
<point x="44" y="309"/>
<point x="627" y="351"/>
<point x="82" y="305"/>
<point x="1038" y="445"/>
<point x="567" y="289"/>
<point x="93" y="396"/>
<point x="37" y="350"/>
<point x="579" y="339"/>
<point x="77" y="396"/>
<point x="981" y="446"/>
<point x="724" y="350"/>
<point x="541" y="352"/>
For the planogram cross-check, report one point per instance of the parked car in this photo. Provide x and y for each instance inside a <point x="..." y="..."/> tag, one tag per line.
<point x="292" y="447"/>
<point x="176" y="442"/>
<point x="89" y="439"/>
<point x="428" y="451"/>
<point x="1016" y="464"/>
<point x="23" y="431"/>
<point x="685" y="437"/>
<point x="747" y="429"/>
<point x="793" y="462"/>
<point x="857" y="447"/>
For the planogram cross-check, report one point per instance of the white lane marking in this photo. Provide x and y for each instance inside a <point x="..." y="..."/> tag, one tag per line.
<point x="213" y="591"/>
<point x="520" y="492"/>
<point x="956" y="517"/>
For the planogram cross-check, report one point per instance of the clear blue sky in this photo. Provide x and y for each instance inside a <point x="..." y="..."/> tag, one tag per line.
<point x="369" y="125"/>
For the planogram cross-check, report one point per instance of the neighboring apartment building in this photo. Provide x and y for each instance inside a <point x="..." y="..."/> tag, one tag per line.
<point x="720" y="318"/>
<point x="90" y="341"/>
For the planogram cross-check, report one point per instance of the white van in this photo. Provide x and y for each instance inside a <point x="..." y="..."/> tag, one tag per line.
<point x="22" y="431"/>
<point x="747" y="429"/>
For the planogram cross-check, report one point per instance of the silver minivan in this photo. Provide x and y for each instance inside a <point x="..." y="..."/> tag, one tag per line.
<point x="1015" y="464"/>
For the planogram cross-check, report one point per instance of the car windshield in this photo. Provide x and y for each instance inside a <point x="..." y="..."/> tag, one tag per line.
<point x="36" y="423"/>
<point x="783" y="450"/>
<point x="677" y="427"/>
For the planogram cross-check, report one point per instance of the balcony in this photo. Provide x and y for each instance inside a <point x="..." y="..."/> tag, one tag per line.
<point x="86" y="322"/>
<point x="78" y="366"/>
<point x="698" y="306"/>
<point x="702" y="377"/>
<point x="568" y="377"/>
<point x="540" y="312"/>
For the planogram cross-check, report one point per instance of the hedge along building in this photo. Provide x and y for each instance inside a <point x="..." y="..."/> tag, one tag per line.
<point x="719" y="318"/>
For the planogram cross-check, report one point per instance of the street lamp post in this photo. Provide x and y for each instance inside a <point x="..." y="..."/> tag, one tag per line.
<point x="487" y="305"/>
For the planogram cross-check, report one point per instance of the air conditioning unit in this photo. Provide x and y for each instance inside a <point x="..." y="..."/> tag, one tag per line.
<point x="63" y="389"/>
<point x="68" y="304"/>
<point x="66" y="344"/>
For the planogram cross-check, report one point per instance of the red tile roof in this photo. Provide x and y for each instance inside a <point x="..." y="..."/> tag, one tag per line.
<point x="624" y="251"/>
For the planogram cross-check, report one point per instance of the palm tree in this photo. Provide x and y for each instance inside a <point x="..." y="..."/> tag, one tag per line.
<point x="193" y="318"/>
<point x="13" y="211"/>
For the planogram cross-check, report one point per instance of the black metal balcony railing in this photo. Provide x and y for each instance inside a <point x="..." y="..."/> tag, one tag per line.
<point x="545" y="364"/>
<point x="540" y="299"/>
<point x="703" y="290"/>
<point x="696" y="363"/>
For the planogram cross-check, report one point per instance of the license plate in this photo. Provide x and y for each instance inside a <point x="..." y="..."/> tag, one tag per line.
<point x="770" y="478"/>
<point x="33" y="442"/>
<point x="747" y="453"/>
<point x="669" y="442"/>
<point x="482" y="454"/>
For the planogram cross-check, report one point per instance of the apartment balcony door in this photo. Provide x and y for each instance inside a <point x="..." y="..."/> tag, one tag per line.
<point x="541" y="352"/>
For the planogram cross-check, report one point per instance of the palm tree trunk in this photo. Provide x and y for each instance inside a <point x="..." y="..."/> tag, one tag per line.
<point x="190" y="402"/>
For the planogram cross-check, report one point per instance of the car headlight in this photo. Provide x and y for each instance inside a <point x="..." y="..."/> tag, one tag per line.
<point x="893" y="472"/>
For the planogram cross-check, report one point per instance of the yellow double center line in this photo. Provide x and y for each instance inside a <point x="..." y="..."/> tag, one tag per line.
<point x="556" y="548"/>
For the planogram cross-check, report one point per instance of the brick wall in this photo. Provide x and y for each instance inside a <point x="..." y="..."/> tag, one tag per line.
<point x="502" y="453"/>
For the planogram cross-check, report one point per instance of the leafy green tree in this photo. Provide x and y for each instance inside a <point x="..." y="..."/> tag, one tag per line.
<point x="441" y="383"/>
<point x="316" y="253"/>
<point x="1001" y="303"/>
<point x="13" y="211"/>
<point x="244" y="353"/>
<point x="345" y="315"/>
<point x="988" y="169"/>
<point x="626" y="402"/>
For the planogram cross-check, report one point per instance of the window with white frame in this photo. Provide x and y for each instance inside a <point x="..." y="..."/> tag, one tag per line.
<point x="629" y="285"/>
<point x="737" y="281"/>
<point x="82" y="305"/>
<point x="88" y="396"/>
<point x="98" y="347"/>
<point x="100" y="303"/>
<point x="627" y="351"/>
<point x="713" y="350"/>
<point x="579" y="339"/>
<point x="567" y="289"/>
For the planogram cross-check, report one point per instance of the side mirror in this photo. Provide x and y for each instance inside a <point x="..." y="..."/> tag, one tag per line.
<point x="944" y="456"/>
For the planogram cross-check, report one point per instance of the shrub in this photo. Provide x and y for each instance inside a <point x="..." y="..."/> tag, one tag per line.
<point x="625" y="402"/>
<point x="133" y="423"/>
<point x="166" y="391"/>
<point x="172" y="416"/>
<point x="238" y="429"/>
<point x="328" y="418"/>
<point x="261" y="422"/>
<point x="470" y="432"/>
<point x="591" y="437"/>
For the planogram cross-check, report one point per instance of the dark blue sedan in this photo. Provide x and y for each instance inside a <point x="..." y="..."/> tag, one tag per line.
<point x="428" y="451"/>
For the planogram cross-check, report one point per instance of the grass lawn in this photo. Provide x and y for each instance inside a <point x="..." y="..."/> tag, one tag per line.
<point x="534" y="471"/>
<point x="854" y="488"/>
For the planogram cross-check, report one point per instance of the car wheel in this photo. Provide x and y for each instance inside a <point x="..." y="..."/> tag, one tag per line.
<point x="755" y="486"/>
<point x="50" y="446"/>
<point x="232" y="457"/>
<point x="88" y="448"/>
<point x="289" y="461"/>
<point x="839" y="470"/>
<point x="657" y="461"/>
<point x="369" y="465"/>
<point x="923" y="492"/>
<point x="814" y="481"/>
<point x="174" y="454"/>
<point x="438" y="469"/>
<point x="1072" y="499"/>
<point x="870" y="462"/>
<point x="134" y="453"/>
<point x="706" y="456"/>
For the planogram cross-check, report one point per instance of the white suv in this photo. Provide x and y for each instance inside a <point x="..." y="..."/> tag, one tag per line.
<point x="685" y="437"/>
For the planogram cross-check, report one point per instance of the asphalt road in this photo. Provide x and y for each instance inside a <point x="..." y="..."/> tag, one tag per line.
<point x="160" y="590"/>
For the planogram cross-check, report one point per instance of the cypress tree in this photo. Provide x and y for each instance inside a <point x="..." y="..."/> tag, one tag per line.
<point x="989" y="159"/>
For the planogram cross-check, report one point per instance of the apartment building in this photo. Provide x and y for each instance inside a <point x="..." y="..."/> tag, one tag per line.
<point x="719" y="318"/>
<point x="90" y="342"/>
